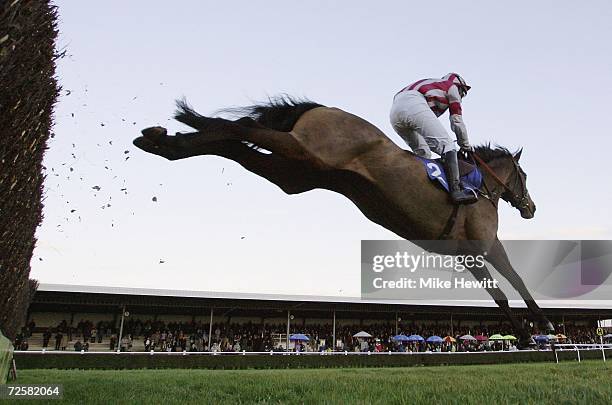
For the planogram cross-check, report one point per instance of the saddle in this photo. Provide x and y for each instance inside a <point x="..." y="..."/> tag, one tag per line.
<point x="469" y="174"/>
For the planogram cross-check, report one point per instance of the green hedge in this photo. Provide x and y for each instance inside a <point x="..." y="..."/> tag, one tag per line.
<point x="145" y="360"/>
<point x="6" y="357"/>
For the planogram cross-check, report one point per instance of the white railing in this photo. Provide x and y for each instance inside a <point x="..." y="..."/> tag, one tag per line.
<point x="582" y="346"/>
<point x="269" y="353"/>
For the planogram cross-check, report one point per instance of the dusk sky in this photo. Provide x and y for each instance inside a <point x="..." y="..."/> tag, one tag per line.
<point x="540" y="74"/>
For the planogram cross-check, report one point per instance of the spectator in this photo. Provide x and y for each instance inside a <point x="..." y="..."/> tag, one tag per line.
<point x="46" y="338"/>
<point x="58" y="340"/>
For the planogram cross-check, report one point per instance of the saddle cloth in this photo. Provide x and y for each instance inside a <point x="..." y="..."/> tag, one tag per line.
<point x="470" y="175"/>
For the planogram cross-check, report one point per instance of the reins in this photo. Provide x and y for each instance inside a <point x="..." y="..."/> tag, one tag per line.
<point x="490" y="171"/>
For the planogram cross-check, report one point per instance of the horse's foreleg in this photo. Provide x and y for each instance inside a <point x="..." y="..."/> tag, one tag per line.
<point x="499" y="259"/>
<point x="483" y="274"/>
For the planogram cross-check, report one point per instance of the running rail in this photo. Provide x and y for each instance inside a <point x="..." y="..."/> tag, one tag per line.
<point x="584" y="346"/>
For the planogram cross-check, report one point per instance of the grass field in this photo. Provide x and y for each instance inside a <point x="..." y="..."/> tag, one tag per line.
<point x="589" y="382"/>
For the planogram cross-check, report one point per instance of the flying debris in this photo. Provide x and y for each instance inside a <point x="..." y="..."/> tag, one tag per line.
<point x="161" y="261"/>
<point x="126" y="152"/>
<point x="71" y="211"/>
<point x="127" y="158"/>
<point x="154" y="199"/>
<point x="72" y="114"/>
<point x="97" y="188"/>
<point x="110" y="142"/>
<point x="101" y="124"/>
<point x="71" y="169"/>
<point x="40" y="259"/>
<point x="242" y="237"/>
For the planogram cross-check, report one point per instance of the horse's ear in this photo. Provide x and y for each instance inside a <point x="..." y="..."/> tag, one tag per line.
<point x="517" y="155"/>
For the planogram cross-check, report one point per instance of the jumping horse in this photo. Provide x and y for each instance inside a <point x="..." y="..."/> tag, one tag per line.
<point x="300" y="145"/>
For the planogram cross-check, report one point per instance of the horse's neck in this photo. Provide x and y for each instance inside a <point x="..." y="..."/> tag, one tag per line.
<point x="503" y="169"/>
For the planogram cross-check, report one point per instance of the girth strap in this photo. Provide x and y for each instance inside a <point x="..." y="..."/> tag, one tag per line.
<point x="450" y="223"/>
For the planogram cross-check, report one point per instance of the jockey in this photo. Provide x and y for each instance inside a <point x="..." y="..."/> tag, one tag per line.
<point x="414" y="117"/>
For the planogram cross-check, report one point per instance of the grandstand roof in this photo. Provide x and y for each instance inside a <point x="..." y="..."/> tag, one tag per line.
<point x="79" y="298"/>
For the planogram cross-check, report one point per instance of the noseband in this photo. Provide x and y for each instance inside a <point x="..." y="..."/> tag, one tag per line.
<point x="518" y="202"/>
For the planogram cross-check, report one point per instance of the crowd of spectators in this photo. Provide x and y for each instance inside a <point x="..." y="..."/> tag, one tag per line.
<point x="233" y="337"/>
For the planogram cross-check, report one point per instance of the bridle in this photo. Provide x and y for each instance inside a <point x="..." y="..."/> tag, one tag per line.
<point x="519" y="202"/>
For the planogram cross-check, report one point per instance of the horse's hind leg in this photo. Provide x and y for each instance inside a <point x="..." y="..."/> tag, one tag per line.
<point x="218" y="129"/>
<point x="291" y="177"/>
<point x="483" y="274"/>
<point x="499" y="259"/>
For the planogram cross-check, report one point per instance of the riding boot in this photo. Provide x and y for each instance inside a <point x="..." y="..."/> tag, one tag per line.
<point x="458" y="195"/>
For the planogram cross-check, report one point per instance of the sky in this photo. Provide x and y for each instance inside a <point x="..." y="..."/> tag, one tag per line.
<point x="540" y="77"/>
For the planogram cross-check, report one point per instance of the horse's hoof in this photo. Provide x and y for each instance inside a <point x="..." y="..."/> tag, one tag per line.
<point x="154" y="132"/>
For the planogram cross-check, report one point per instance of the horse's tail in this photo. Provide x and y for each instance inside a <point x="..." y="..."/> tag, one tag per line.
<point x="279" y="113"/>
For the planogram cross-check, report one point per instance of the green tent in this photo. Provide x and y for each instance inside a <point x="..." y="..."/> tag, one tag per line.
<point x="6" y="357"/>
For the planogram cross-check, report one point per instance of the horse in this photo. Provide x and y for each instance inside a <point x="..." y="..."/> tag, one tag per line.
<point x="300" y="145"/>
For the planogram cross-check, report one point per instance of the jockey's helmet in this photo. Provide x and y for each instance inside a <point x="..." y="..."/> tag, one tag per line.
<point x="461" y="84"/>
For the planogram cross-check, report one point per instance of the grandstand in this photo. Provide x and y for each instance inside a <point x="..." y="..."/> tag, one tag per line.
<point x="91" y="318"/>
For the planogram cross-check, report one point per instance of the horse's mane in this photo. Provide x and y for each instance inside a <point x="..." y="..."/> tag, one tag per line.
<point x="279" y="113"/>
<point x="488" y="152"/>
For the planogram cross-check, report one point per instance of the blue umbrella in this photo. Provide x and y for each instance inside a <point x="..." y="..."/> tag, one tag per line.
<point x="400" y="338"/>
<point x="299" y="336"/>
<point x="415" y="338"/>
<point x="435" y="339"/>
<point x="540" y="338"/>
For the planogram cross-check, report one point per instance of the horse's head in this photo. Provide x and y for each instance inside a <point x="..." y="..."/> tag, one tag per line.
<point x="516" y="189"/>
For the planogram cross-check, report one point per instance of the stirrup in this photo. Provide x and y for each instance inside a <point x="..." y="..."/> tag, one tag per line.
<point x="464" y="196"/>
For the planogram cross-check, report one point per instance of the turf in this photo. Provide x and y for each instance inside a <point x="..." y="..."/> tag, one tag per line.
<point x="589" y="382"/>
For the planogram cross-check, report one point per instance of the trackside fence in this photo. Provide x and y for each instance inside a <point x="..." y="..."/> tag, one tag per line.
<point x="269" y="360"/>
<point x="577" y="347"/>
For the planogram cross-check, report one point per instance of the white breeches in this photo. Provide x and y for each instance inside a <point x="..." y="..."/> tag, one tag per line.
<point x="414" y="121"/>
